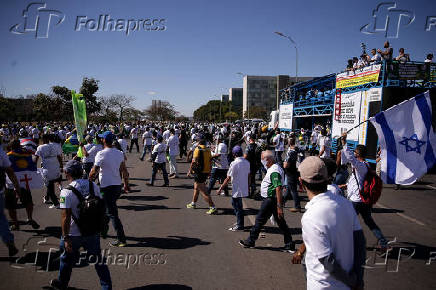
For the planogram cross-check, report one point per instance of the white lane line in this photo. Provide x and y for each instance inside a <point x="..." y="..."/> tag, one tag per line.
<point x="402" y="215"/>
<point x="432" y="187"/>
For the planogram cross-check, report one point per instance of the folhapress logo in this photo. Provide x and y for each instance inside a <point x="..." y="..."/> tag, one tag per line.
<point x="37" y="20"/>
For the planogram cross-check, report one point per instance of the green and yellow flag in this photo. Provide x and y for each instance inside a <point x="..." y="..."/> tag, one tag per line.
<point x="79" y="109"/>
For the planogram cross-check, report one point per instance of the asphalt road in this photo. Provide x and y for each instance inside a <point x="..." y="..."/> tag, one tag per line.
<point x="172" y="247"/>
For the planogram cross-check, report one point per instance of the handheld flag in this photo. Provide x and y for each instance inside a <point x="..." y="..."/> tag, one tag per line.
<point x="79" y="109"/>
<point x="25" y="170"/>
<point x="407" y="140"/>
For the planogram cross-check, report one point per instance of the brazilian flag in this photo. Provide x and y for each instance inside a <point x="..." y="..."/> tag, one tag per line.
<point x="79" y="109"/>
<point x="71" y="145"/>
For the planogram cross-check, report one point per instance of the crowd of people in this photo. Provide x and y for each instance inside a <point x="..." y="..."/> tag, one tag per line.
<point x="286" y="163"/>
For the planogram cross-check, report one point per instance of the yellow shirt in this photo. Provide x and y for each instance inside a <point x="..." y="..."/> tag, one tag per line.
<point x="207" y="156"/>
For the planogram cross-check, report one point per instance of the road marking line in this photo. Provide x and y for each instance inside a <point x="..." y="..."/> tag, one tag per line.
<point x="402" y="215"/>
<point x="432" y="187"/>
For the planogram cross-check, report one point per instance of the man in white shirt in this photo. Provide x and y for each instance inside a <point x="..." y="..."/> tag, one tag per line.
<point x="109" y="165"/>
<point x="166" y="134"/>
<point x="220" y="166"/>
<point x="239" y="174"/>
<point x="159" y="158"/>
<point x="375" y="56"/>
<point x="279" y="147"/>
<point x="173" y="145"/>
<point x="72" y="239"/>
<point x="90" y="150"/>
<point x="35" y="135"/>
<point x="134" y="139"/>
<point x="52" y="166"/>
<point x="5" y="234"/>
<point x="355" y="184"/>
<point x="334" y="241"/>
<point x="324" y="145"/>
<point x="147" y="141"/>
<point x="272" y="204"/>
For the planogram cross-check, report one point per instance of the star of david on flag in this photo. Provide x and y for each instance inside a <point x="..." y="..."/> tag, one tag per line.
<point x="407" y="140"/>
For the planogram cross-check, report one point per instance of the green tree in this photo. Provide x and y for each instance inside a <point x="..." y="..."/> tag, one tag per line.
<point x="162" y="112"/>
<point x="256" y="112"/>
<point x="88" y="89"/>
<point x="231" y="116"/>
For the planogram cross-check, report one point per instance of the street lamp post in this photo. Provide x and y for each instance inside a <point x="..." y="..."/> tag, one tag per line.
<point x="296" y="52"/>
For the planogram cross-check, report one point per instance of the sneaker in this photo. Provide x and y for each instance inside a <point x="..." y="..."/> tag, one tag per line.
<point x="54" y="206"/>
<point x="117" y="244"/>
<point x="211" y="210"/>
<point x="12" y="250"/>
<point x="289" y="247"/>
<point x="190" y="205"/>
<point x="293" y="209"/>
<point x="246" y="244"/>
<point x="14" y="227"/>
<point x="34" y="224"/>
<point x="142" y="159"/>
<point x="45" y="200"/>
<point x="56" y="284"/>
<point x="165" y="185"/>
<point x="235" y="228"/>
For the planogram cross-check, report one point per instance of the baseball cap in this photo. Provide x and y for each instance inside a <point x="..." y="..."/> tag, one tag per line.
<point x="73" y="167"/>
<point x="313" y="170"/>
<point x="237" y="151"/>
<point x="108" y="136"/>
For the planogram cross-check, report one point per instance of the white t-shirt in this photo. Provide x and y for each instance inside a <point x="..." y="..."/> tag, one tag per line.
<point x="123" y="145"/>
<point x="109" y="160"/>
<point x="333" y="188"/>
<point x="266" y="182"/>
<point x="173" y="144"/>
<point x="222" y="162"/>
<point x="134" y="133"/>
<point x="69" y="200"/>
<point x="147" y="138"/>
<point x="376" y="58"/>
<point x="327" y="228"/>
<point x="325" y="141"/>
<point x="49" y="160"/>
<point x="239" y="170"/>
<point x="360" y="169"/>
<point x="279" y="141"/>
<point x="92" y="152"/>
<point x="314" y="137"/>
<point x="161" y="149"/>
<point x="4" y="163"/>
<point x="35" y="133"/>
<point x="166" y="135"/>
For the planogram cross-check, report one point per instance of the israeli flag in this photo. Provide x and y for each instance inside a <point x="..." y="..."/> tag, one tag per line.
<point x="407" y="140"/>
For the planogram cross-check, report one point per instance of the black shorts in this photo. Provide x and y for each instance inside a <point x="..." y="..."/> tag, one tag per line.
<point x="200" y="177"/>
<point x="11" y="198"/>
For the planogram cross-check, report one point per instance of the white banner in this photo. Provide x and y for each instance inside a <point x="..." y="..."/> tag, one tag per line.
<point x="285" y="116"/>
<point x="349" y="116"/>
<point x="371" y="95"/>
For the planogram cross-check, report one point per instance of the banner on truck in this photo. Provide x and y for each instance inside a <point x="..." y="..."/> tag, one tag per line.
<point x="285" y="116"/>
<point x="357" y="77"/>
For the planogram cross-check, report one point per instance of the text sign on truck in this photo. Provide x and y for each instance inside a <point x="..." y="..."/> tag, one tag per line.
<point x="285" y="116"/>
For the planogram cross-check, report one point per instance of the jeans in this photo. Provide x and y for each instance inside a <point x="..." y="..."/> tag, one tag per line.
<point x="110" y="196"/>
<point x="132" y="142"/>
<point x="173" y="165"/>
<point x="51" y="192"/>
<point x="145" y="149"/>
<point x="91" y="245"/>
<point x="292" y="183"/>
<point x="268" y="208"/>
<point x="183" y="148"/>
<point x="5" y="233"/>
<point x="87" y="168"/>
<point x="253" y="170"/>
<point x="278" y="157"/>
<point x="156" y="167"/>
<point x="239" y="211"/>
<point x="216" y="174"/>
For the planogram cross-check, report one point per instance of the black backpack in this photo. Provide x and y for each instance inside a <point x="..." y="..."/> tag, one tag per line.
<point x="92" y="212"/>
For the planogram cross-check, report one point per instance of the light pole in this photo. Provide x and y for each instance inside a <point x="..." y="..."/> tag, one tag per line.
<point x="296" y="52"/>
<point x="248" y="109"/>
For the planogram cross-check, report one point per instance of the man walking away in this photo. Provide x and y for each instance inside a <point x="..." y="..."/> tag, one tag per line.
<point x="134" y="139"/>
<point x="109" y="165"/>
<point x="253" y="155"/>
<point x="220" y="167"/>
<point x="146" y="140"/>
<point x="272" y="204"/>
<point x="159" y="161"/>
<point x="290" y="167"/>
<point x="173" y="144"/>
<point x="72" y="239"/>
<point x="239" y="174"/>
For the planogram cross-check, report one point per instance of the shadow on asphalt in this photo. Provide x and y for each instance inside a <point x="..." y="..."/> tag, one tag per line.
<point x="230" y="211"/>
<point x="143" y="207"/>
<point x="47" y="232"/>
<point x="171" y="242"/>
<point x="276" y="230"/>
<point x="143" y="197"/>
<point x="162" y="286"/>
<point x="386" y="210"/>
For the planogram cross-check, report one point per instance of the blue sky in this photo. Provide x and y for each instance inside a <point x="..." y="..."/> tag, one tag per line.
<point x="203" y="47"/>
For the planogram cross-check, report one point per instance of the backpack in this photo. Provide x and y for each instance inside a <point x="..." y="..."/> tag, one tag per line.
<point x="198" y="166"/>
<point x="372" y="187"/>
<point x="92" y="212"/>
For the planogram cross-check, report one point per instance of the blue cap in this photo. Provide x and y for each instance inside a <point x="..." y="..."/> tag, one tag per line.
<point x="237" y="151"/>
<point x="108" y="136"/>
